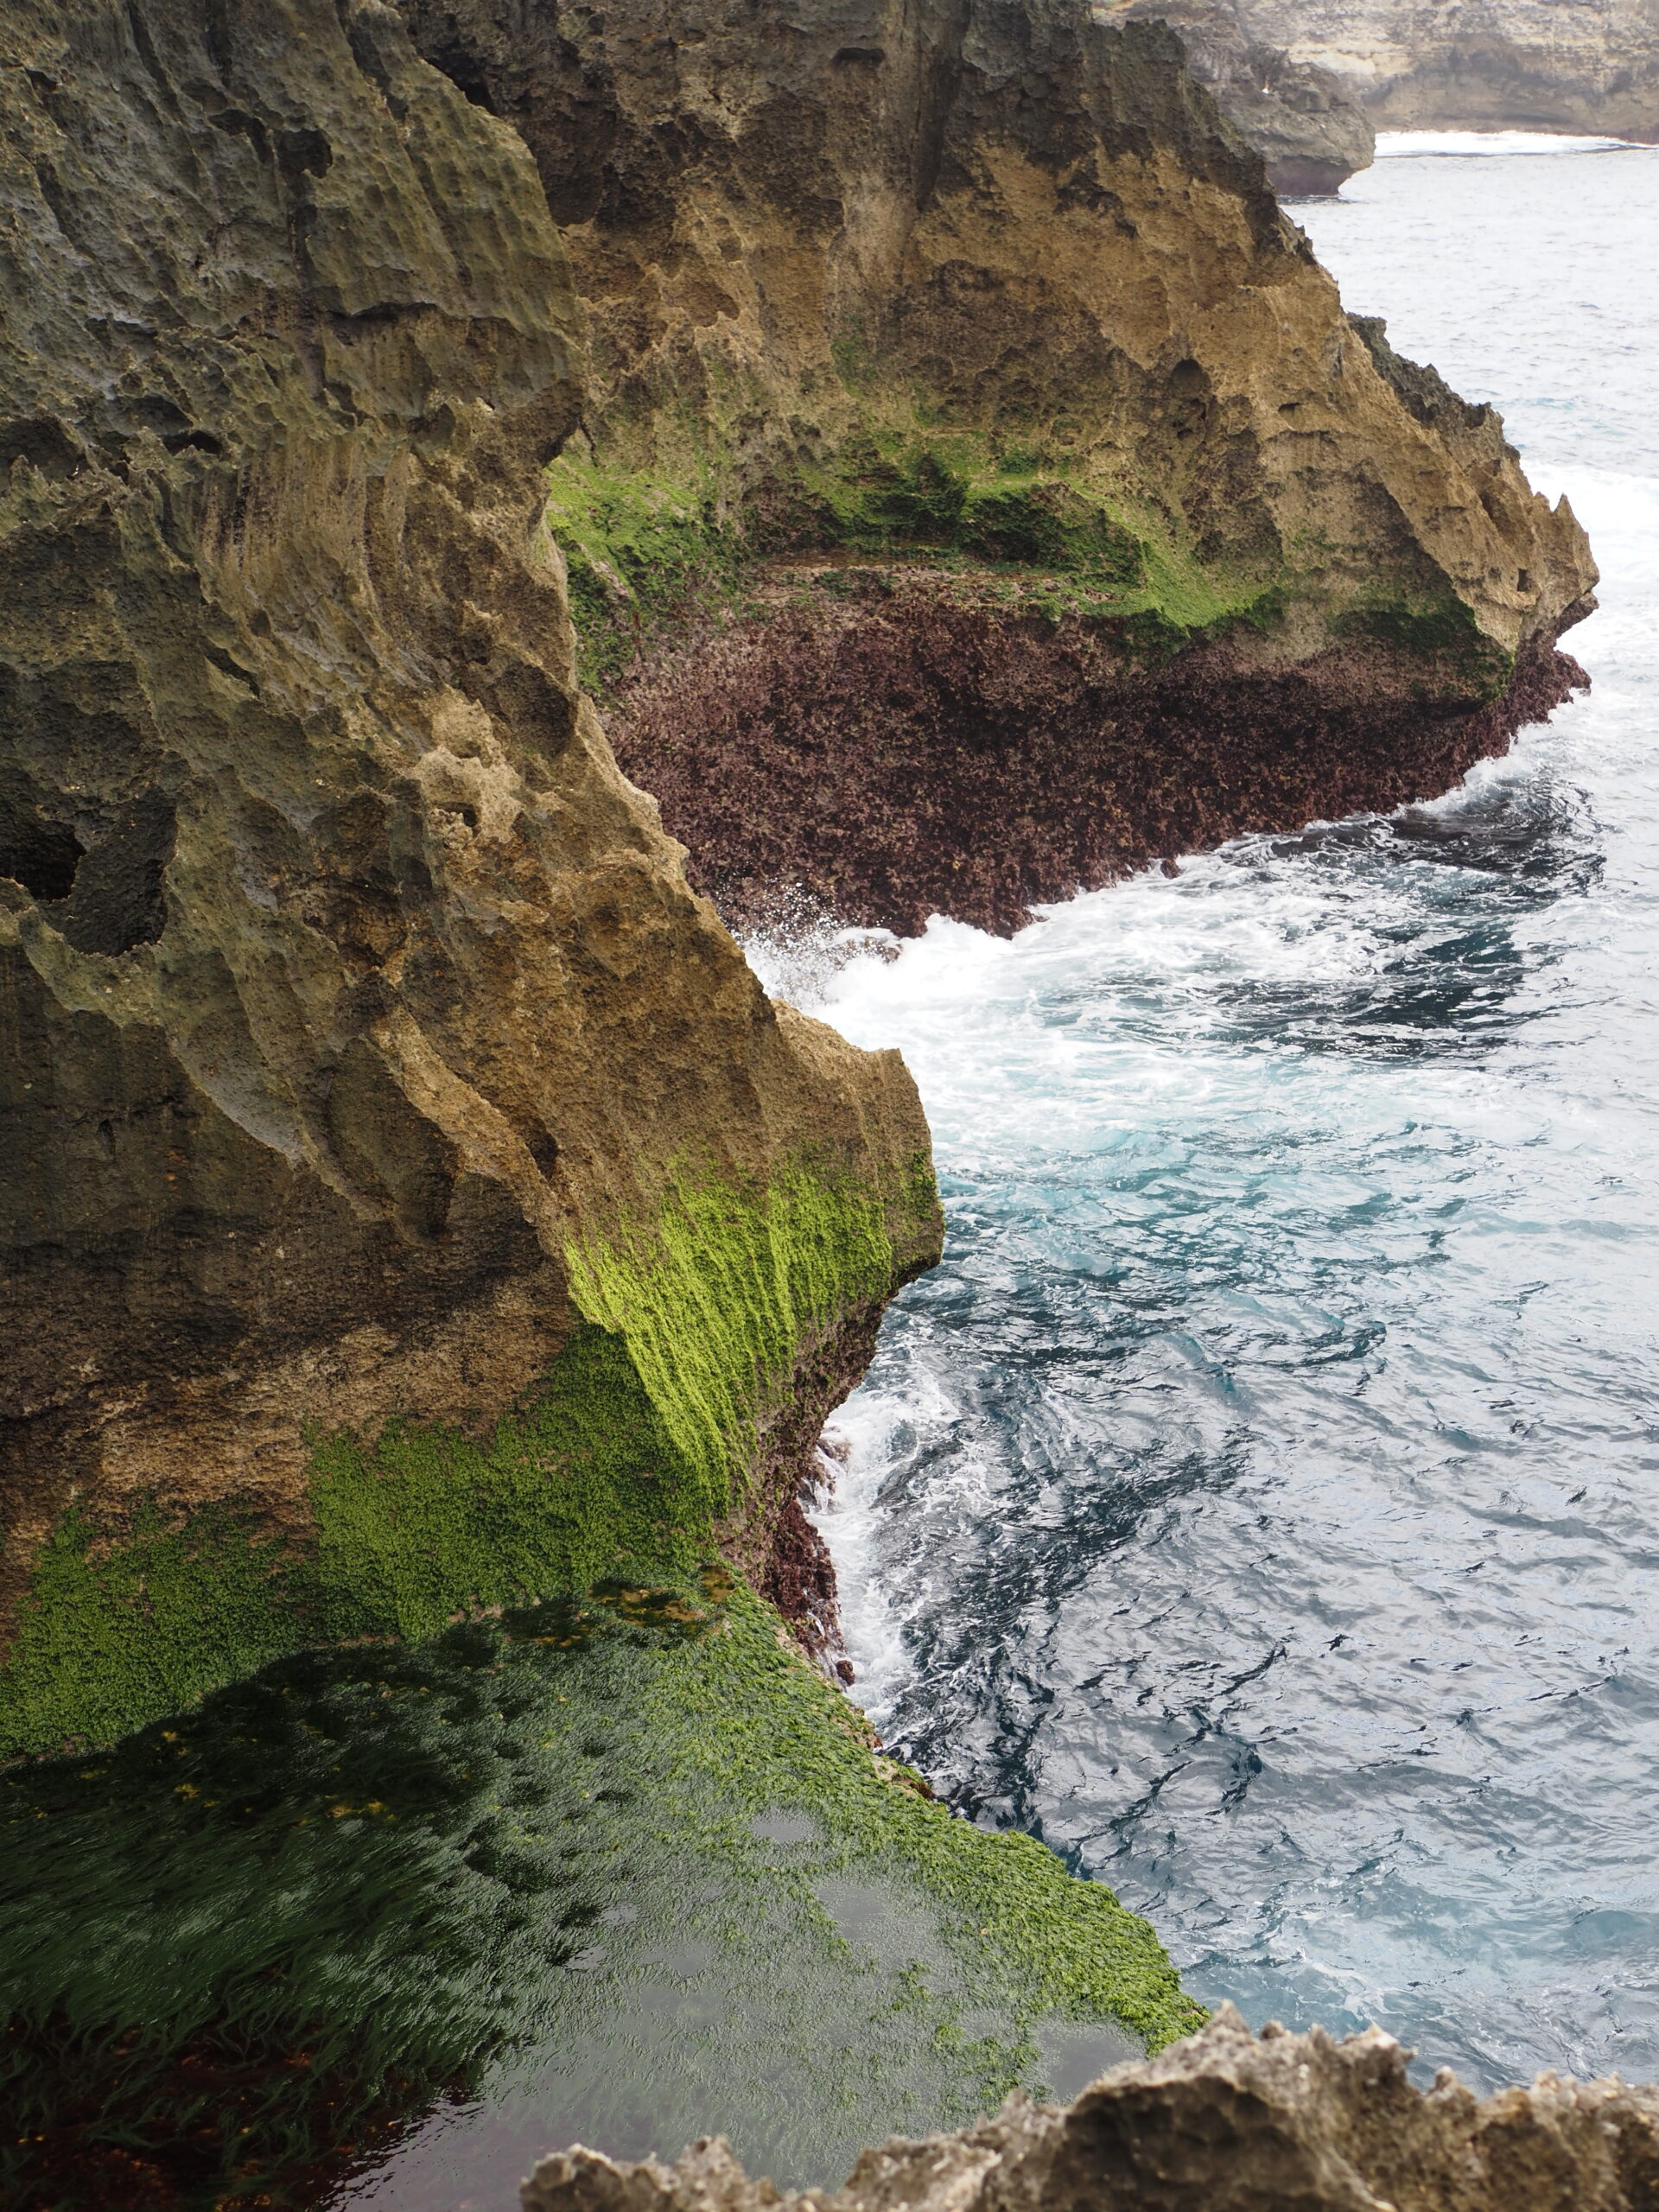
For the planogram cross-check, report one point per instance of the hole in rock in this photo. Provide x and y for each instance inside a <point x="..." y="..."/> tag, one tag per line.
<point x="42" y="442"/>
<point x="116" y="900"/>
<point x="42" y="856"/>
<point x="465" y="71"/>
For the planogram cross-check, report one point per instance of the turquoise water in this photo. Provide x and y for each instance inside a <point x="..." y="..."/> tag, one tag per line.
<point x="1261" y="1503"/>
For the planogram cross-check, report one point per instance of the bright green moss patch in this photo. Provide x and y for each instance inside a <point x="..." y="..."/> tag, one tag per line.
<point x="714" y="1298"/>
<point x="639" y="548"/>
<point x="123" y="1626"/>
<point x="621" y="1873"/>
<point x="621" y="1464"/>
<point x="647" y="550"/>
<point x="114" y="1632"/>
<point x="779" y="1731"/>
<point x="587" y="1482"/>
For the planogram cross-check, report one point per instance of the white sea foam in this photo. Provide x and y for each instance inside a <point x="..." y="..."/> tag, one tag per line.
<point x="1260" y="1499"/>
<point x="1394" y="144"/>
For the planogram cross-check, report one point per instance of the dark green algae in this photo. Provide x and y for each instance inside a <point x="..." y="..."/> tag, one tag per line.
<point x="648" y="550"/>
<point x="396" y="1917"/>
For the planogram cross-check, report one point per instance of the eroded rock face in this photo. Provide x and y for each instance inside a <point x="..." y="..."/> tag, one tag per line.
<point x="983" y="490"/>
<point x="1480" y="65"/>
<point x="348" y="986"/>
<point x="1309" y="129"/>
<point x="1224" y="2122"/>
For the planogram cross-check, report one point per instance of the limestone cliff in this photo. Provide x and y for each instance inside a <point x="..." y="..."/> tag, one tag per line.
<point x="983" y="490"/>
<point x="1310" y="131"/>
<point x="1480" y="65"/>
<point x="1224" y="2122"/>
<point x="367" y="1059"/>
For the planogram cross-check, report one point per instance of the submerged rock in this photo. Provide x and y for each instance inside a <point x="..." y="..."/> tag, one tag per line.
<point x="982" y="492"/>
<point x="1479" y="65"/>
<point x="1225" y="2122"/>
<point x="1309" y="129"/>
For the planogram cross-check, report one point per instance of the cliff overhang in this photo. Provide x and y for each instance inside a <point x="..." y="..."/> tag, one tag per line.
<point x="973" y="440"/>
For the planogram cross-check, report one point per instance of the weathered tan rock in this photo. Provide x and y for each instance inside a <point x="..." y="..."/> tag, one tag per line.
<point x="1071" y="501"/>
<point x="346" y="983"/>
<point x="1310" y="131"/>
<point x="1224" y="2122"/>
<point x="1480" y="65"/>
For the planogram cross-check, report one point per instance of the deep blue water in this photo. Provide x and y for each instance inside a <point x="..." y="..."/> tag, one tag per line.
<point x="1262" y="1503"/>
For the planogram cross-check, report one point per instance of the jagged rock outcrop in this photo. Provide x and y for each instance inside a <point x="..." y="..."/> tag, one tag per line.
<point x="352" y="999"/>
<point x="1310" y="131"/>
<point x="982" y="492"/>
<point x="1224" y="2122"/>
<point x="1480" y="65"/>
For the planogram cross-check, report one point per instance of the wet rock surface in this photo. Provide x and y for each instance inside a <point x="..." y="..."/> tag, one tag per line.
<point x="379" y="1923"/>
<point x="861" y="751"/>
<point x="1225" y="2122"/>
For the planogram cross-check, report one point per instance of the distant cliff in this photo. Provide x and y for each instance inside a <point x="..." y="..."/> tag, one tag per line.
<point x="1480" y="65"/>
<point x="982" y="491"/>
<point x="1307" y="127"/>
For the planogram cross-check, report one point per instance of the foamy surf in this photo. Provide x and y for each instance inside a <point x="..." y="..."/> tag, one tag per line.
<point x="1398" y="144"/>
<point x="1258" y="1502"/>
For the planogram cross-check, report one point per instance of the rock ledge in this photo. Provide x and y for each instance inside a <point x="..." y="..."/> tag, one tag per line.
<point x="1225" y="2122"/>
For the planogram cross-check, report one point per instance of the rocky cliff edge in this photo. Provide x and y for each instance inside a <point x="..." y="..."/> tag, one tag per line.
<point x="372" y="1077"/>
<point x="1224" y="2122"/>
<point x="1480" y="65"/>
<point x="972" y="440"/>
<point x="1310" y="131"/>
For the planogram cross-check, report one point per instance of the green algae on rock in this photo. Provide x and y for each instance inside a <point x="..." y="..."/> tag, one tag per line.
<point x="626" y="1872"/>
<point x="347" y="986"/>
<point x="714" y="1299"/>
<point x="684" y="1421"/>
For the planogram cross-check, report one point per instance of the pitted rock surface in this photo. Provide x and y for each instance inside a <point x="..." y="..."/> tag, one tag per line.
<point x="1479" y="65"/>
<point x="1224" y="2122"/>
<point x="798" y="232"/>
<point x="343" y="978"/>
<point x="1305" y="124"/>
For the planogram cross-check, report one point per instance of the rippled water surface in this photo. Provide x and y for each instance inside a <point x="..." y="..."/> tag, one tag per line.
<point x="1262" y="1501"/>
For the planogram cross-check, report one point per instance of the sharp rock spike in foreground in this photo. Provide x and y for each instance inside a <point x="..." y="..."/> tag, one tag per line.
<point x="1225" y="2122"/>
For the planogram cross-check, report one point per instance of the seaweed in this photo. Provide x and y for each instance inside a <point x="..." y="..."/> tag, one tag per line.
<point x="582" y="1860"/>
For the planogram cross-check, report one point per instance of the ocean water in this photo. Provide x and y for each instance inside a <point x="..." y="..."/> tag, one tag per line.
<point x="1262" y="1502"/>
